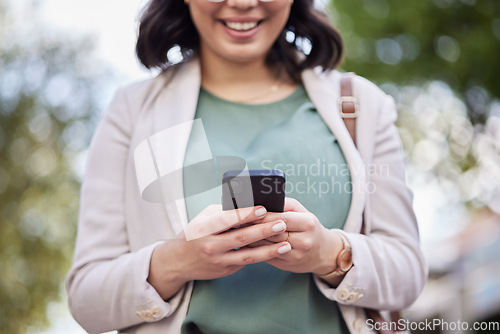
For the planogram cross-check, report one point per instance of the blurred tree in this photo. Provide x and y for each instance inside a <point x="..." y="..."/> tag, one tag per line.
<point x="455" y="41"/>
<point x="49" y="88"/>
<point x="439" y="59"/>
<point x="460" y="161"/>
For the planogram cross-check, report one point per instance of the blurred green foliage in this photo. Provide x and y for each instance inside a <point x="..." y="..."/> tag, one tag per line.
<point x="48" y="90"/>
<point x="455" y="41"/>
<point x="439" y="60"/>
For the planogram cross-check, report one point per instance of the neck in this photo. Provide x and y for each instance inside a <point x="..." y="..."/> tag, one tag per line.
<point x="249" y="82"/>
<point x="220" y="74"/>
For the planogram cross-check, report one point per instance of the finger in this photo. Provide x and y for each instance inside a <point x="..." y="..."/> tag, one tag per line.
<point x="222" y="220"/>
<point x="260" y="243"/>
<point x="248" y="255"/>
<point x="273" y="216"/>
<point x="278" y="237"/>
<point x="295" y="221"/>
<point x="238" y="217"/>
<point x="245" y="236"/>
<point x="291" y="204"/>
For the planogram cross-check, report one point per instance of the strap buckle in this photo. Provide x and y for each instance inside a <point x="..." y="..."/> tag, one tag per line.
<point x="347" y="99"/>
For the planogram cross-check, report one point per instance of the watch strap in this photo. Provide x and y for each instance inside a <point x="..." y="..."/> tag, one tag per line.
<point x="344" y="259"/>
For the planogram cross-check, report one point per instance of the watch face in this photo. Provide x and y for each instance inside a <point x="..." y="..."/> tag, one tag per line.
<point x="345" y="260"/>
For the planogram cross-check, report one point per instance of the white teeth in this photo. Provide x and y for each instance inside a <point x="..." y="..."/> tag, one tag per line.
<point x="241" y="26"/>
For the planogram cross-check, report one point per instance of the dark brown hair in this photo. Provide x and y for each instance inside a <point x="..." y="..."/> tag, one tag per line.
<point x="165" y="24"/>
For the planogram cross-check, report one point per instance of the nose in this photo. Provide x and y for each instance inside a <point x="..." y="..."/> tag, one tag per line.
<point x="242" y="4"/>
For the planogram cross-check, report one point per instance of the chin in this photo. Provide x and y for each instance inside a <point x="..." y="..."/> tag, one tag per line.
<point x="238" y="55"/>
<point x="244" y="60"/>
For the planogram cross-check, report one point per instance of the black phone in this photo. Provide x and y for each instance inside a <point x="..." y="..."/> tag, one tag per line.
<point x="246" y="188"/>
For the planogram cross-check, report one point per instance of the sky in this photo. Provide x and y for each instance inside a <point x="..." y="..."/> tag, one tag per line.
<point x="113" y="23"/>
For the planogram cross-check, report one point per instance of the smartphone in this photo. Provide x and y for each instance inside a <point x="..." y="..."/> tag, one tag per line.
<point x="246" y="188"/>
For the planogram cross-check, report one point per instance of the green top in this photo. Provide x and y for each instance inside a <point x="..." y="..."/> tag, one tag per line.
<point x="288" y="135"/>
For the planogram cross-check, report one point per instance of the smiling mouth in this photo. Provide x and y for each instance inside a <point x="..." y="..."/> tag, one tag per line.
<point x="241" y="26"/>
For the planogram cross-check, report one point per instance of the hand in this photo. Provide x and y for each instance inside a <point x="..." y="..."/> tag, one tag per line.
<point x="203" y="252"/>
<point x="314" y="247"/>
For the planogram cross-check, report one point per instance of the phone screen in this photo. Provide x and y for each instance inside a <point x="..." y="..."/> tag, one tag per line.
<point x="246" y="188"/>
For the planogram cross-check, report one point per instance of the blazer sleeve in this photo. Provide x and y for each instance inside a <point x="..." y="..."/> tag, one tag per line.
<point x="107" y="284"/>
<point x="389" y="270"/>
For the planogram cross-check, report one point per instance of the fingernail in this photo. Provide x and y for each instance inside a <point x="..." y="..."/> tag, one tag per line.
<point x="279" y="227"/>
<point x="260" y="212"/>
<point x="285" y="248"/>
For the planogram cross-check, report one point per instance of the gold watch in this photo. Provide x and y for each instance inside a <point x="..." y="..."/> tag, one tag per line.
<point x="344" y="259"/>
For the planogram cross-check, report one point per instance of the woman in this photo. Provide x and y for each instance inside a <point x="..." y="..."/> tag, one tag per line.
<point x="259" y="75"/>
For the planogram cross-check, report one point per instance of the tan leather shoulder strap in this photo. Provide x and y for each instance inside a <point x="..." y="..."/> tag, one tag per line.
<point x="349" y="110"/>
<point x="348" y="105"/>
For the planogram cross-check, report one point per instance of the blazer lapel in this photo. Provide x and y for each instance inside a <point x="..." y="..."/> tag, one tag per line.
<point x="173" y="115"/>
<point x="324" y="91"/>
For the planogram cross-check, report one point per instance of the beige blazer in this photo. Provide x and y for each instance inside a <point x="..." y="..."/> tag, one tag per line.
<point x="118" y="230"/>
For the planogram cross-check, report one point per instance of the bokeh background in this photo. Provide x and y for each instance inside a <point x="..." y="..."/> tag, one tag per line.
<point x="60" y="62"/>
